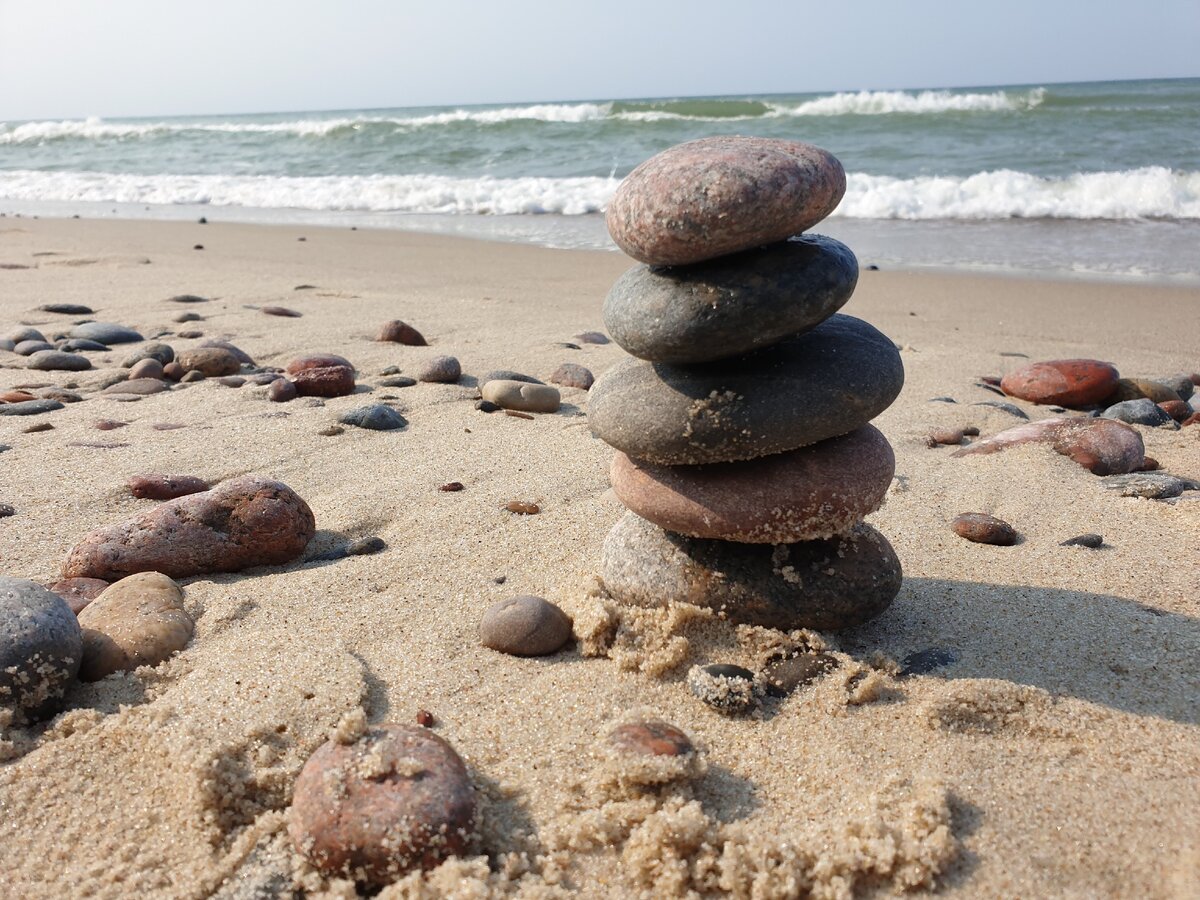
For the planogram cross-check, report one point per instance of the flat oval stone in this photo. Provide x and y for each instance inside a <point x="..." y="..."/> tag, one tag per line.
<point x="28" y="348"/>
<point x="719" y="195"/>
<point x="140" y="386"/>
<point x="525" y="626"/>
<point x="58" y="360"/>
<point x="317" y="361"/>
<point x="823" y="585"/>
<point x="23" y="333"/>
<point x="397" y="332"/>
<point x="67" y="309"/>
<point x="397" y="799"/>
<point x="1062" y="382"/>
<point x="242" y="356"/>
<point x="146" y="368"/>
<point x="281" y="390"/>
<point x="981" y="528"/>
<point x="1102" y="446"/>
<point x="522" y="396"/>
<point x="241" y="523"/>
<point x="326" y="381"/>
<point x="827" y="382"/>
<point x="508" y="375"/>
<point x="40" y="648"/>
<point x="802" y="495"/>
<point x="376" y="417"/>
<point x="730" y="305"/>
<point x="137" y="621"/>
<point x="213" y="362"/>
<point x="107" y="333"/>
<point x="29" y="407"/>
<point x="1143" y="411"/>
<point x="79" y="344"/>
<point x="440" y="370"/>
<point x="165" y="487"/>
<point x="1137" y="388"/>
<point x="573" y="375"/>
<point x="783" y="676"/>
<point x="650" y="737"/>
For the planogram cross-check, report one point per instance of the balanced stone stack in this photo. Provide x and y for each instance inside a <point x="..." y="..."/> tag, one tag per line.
<point x="744" y="454"/>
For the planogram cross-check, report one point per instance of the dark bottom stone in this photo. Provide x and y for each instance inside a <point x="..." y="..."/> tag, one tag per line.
<point x="825" y="585"/>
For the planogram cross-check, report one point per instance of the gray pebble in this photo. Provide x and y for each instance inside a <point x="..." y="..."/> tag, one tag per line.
<point x="1006" y="407"/>
<point x="187" y="298"/>
<point x="398" y="381"/>
<point x="82" y="344"/>
<point x="364" y="546"/>
<point x="1151" y="485"/>
<point x="1089" y="540"/>
<point x="28" y="348"/>
<point x="41" y="645"/>
<point x="525" y="626"/>
<point x="508" y="375"/>
<point x="164" y="353"/>
<point x="29" y="407"/>
<point x="7" y="509"/>
<point x="922" y="662"/>
<point x="58" y="361"/>
<point x="1139" y="412"/>
<point x="106" y="333"/>
<point x="67" y="309"/>
<point x="188" y="317"/>
<point x="440" y="370"/>
<point x="375" y="418"/>
<point x="24" y="333"/>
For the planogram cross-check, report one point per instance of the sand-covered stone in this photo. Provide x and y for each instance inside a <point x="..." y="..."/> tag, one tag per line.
<point x="1102" y="446"/>
<point x="58" y="360"/>
<point x="718" y="195"/>
<point x="801" y="495"/>
<point x="1062" y="382"/>
<point x="525" y="626"/>
<point x="376" y="417"/>
<point x="827" y="382"/>
<point x="212" y="361"/>
<point x="396" y="799"/>
<point x="824" y="585"/>
<point x="137" y="621"/>
<point x="40" y="648"/>
<point x="243" y="522"/>
<point x="522" y="396"/>
<point x="730" y="305"/>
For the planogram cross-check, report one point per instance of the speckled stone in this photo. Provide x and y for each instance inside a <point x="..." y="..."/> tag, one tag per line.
<point x="573" y="375"/>
<point x="521" y="396"/>
<point x="726" y="688"/>
<point x="137" y="621"/>
<point x="376" y="417"/>
<point x="525" y="626"/>
<point x="40" y="648"/>
<point x="325" y="381"/>
<point x="730" y="305"/>
<point x="58" y="360"/>
<point x="440" y="370"/>
<point x="719" y="195"/>
<point x="165" y="487"/>
<point x="1102" y="446"/>
<point x="107" y="333"/>
<point x="981" y="528"/>
<point x="212" y="362"/>
<point x="827" y="382"/>
<point x="824" y="585"/>
<point x="1062" y="382"/>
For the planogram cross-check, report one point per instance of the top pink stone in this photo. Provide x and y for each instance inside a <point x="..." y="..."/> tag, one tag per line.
<point x="721" y="195"/>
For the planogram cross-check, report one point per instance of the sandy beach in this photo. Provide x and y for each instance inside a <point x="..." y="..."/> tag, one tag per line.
<point x="1057" y="755"/>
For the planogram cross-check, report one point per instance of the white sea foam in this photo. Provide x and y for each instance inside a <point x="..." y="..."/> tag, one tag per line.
<point x="871" y="103"/>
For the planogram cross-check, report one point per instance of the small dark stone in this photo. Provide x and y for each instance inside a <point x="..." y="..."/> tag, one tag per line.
<point x="398" y="381"/>
<point x="1139" y="412"/>
<point x="78" y="345"/>
<point x="29" y="407"/>
<point x="424" y="718"/>
<point x="726" y="688"/>
<point x="942" y="400"/>
<point x="567" y="345"/>
<point x="281" y="311"/>
<point x="984" y="529"/>
<point x="281" y="391"/>
<point x="1089" y="540"/>
<point x="592" y="337"/>
<point x="375" y="418"/>
<point x="40" y="426"/>
<point x="305" y="287"/>
<point x="365" y="546"/>
<point x="921" y="662"/>
<point x="507" y="375"/>
<point x="188" y="317"/>
<point x="397" y="332"/>
<point x="785" y="675"/>
<point x="67" y="309"/>
<point x="189" y="335"/>
<point x="190" y="377"/>
<point x="871" y="268"/>
<point x="202" y="220"/>
<point x="233" y="381"/>
<point x="451" y="487"/>
<point x="486" y="406"/>
<point x="1006" y="407"/>
<point x="6" y="510"/>
<point x="187" y="298"/>
<point x="197" y="246"/>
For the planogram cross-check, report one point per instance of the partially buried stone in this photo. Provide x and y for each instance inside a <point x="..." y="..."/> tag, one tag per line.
<point x="232" y="381"/>
<point x="727" y="689"/>
<point x="395" y="800"/>
<point x="823" y="585"/>
<point x="188" y="317"/>
<point x="981" y="528"/>
<point x="281" y="311"/>
<point x="719" y="195"/>
<point x="521" y="396"/>
<point x="242" y="356"/>
<point x="945" y="436"/>
<point x="58" y="360"/>
<point x="40" y="649"/>
<point x="508" y="375"/>
<point x="1151" y="485"/>
<point x="213" y="362"/>
<point x="281" y="391"/>
<point x="374" y="418"/>
<point x="24" y="333"/>
<point x="187" y="298"/>
<point x="440" y="370"/>
<point x="79" y="345"/>
<point x="650" y="737"/>
<point x="29" y="348"/>
<point x="331" y="431"/>
<point x="397" y="381"/>
<point x="922" y="662"/>
<point x="107" y="333"/>
<point x="1176" y="409"/>
<point x="525" y="626"/>
<point x="783" y="676"/>
<point x="137" y="621"/>
<point x="174" y="371"/>
<point x="1089" y="540"/>
<point x="1065" y="382"/>
<point x="139" y="386"/>
<point x="365" y="546"/>
<point x="241" y="523"/>
<point x="1141" y="388"/>
<point x="592" y="337"/>
<point x="806" y="494"/>
<point x="67" y="309"/>
<point x="316" y="361"/>
<point x="78" y="592"/>
<point x="397" y="332"/>
<point x="29" y="407"/>
<point x="573" y="375"/>
<point x="325" y="381"/>
<point x="827" y="382"/>
<point x="147" y="368"/>
<point x="1138" y="412"/>
<point x="486" y="406"/>
<point x="1102" y="446"/>
<point x="165" y="487"/>
<point x="730" y="305"/>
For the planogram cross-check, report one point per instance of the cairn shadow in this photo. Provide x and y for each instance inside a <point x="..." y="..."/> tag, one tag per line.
<point x="1107" y="650"/>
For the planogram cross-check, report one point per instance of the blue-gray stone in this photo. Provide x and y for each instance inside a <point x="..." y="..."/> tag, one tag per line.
<point x="376" y="418"/>
<point x="29" y="407"/>
<point x="106" y="333"/>
<point x="24" y="333"/>
<point x="58" y="360"/>
<point x="67" y="309"/>
<point x="81" y="344"/>
<point x="41" y="645"/>
<point x="28" y="348"/>
<point x="6" y="344"/>
<point x="1143" y="411"/>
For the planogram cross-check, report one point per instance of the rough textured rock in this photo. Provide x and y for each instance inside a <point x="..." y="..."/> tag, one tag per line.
<point x="138" y="621"/>
<point x="58" y="360"/>
<point x="243" y="522"/>
<point x="525" y="626"/>
<point x="1102" y="446"/>
<point x="440" y="370"/>
<point x="829" y="381"/>
<point x="397" y="799"/>
<point x="212" y="361"/>
<point x="40" y="648"/>
<point x="165" y="487"/>
<point x="376" y="417"/>
<point x="574" y="375"/>
<point x="783" y="676"/>
<point x="326" y="381"/>
<point x="1062" y="382"/>
<point x="522" y="396"/>
<point x="397" y="332"/>
<point x="107" y="333"/>
<point x="727" y="689"/>
<point x="980" y="528"/>
<point x="719" y="195"/>
<point x="822" y="585"/>
<point x="802" y="495"/>
<point x="317" y="361"/>
<point x="730" y="305"/>
<point x="1151" y="485"/>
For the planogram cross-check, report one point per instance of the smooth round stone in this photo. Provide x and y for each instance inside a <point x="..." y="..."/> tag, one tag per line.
<point x="1102" y="446"/>
<point x="730" y="305"/>
<point x="174" y="371"/>
<point x="140" y="386"/>
<point x="242" y="356"/>
<point x="440" y="370"/>
<point x="28" y="348"/>
<point x="1176" y="409"/>
<point x="508" y="375"/>
<point x="40" y="648"/>
<point x="397" y="381"/>
<point x="67" y="309"/>
<point x="573" y="375"/>
<point x="316" y="361"/>
<point x="802" y="495"/>
<point x="980" y="528"/>
<point x="78" y="592"/>
<point x="397" y="332"/>
<point x="525" y="626"/>
<point x="164" y="353"/>
<point x="1138" y="388"/>
<point x="374" y="418"/>
<point x="107" y="333"/>
<point x="1062" y="382"/>
<point x="24" y="333"/>
<point x="212" y="362"/>
<point x="147" y="368"/>
<point x="281" y="391"/>
<point x="1138" y="412"/>
<point x="719" y="195"/>
<point x="326" y="381"/>
<point x="521" y="396"/>
<point x="823" y="585"/>
<point x="77" y="345"/>
<point x="58" y="360"/>
<point x="397" y="799"/>
<point x="650" y="737"/>
<point x="137" y="621"/>
<point x="6" y="344"/>
<point x="726" y="688"/>
<point x="827" y="382"/>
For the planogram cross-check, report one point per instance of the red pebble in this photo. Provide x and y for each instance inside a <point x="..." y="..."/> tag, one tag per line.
<point x="326" y="381"/>
<point x="165" y="487"/>
<point x="984" y="529"/>
<point x="397" y="332"/>
<point x="1176" y="409"/>
<point x="452" y="486"/>
<point x="424" y="718"/>
<point x="1062" y="382"/>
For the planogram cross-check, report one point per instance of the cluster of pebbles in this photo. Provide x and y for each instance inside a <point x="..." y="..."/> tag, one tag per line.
<point x="744" y="449"/>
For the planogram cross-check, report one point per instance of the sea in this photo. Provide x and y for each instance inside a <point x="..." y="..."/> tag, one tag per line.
<point x="1098" y="179"/>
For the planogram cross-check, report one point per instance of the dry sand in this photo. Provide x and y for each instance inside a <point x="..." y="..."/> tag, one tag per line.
<point x="1058" y="757"/>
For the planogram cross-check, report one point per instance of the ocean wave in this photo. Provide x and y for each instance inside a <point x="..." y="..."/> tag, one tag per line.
<point x="874" y="103"/>
<point x="1134" y="194"/>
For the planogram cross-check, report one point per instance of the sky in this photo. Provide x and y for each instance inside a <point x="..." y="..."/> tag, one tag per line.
<point x="113" y="58"/>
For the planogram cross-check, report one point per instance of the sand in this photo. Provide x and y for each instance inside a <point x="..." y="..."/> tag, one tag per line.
<point x="1059" y="756"/>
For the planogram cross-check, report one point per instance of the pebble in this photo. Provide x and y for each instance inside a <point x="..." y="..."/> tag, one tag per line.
<point x="376" y="417"/>
<point x="139" y="386"/>
<point x="522" y="396"/>
<point x="108" y="424"/>
<point x="241" y="523"/>
<point x="486" y="406"/>
<point x="326" y="381"/>
<point x="78" y="592"/>
<point x="517" y="414"/>
<point x="6" y="509"/>
<point x="281" y="311"/>
<point x="1140" y="388"/>
<point x="650" y="737"/>
<point x="398" y="381"/>
<point x="187" y="298"/>
<point x="188" y="317"/>
<point x="719" y="195"/>
<point x="6" y="344"/>
<point x="1102" y="446"/>
<point x="212" y="362"/>
<point x="424" y="718"/>
<point x="137" y="621"/>
<point x="397" y="332"/>
<point x="58" y="360"/>
<point x="567" y="345"/>
<point x="823" y="585"/>
<point x="396" y="799"/>
<point x="807" y="494"/>
<point x="573" y="375"/>
<point x="1151" y="485"/>
<point x="1180" y="383"/>
<point x="165" y="487"/>
<point x="522" y="508"/>
<point x="949" y="437"/>
<point x="261" y="378"/>
<point x="440" y="370"/>
<point x="24" y="333"/>
<point x="1065" y="382"/>
<point x="174" y="371"/>
<point x="730" y="305"/>
<point x="242" y="356"/>
<point x="1138" y="412"/>
<point x="232" y="381"/>
<point x="726" y="688"/>
<point x="366" y="546"/>
<point x="827" y="382"/>
<point x="29" y="407"/>
<point x="16" y="396"/>
<point x="922" y="662"/>
<point x="67" y="309"/>
<point x="1089" y="540"/>
<point x="525" y="626"/>
<point x="331" y="431"/>
<point x="107" y="333"/>
<point x="316" y="361"/>
<point x="451" y="487"/>
<point x="592" y="337"/>
<point x="40" y="426"/>
<point x="1176" y="409"/>
<point x="281" y="391"/>
<point x="164" y="353"/>
<point x="147" y="368"/>
<point x="783" y="676"/>
<point x="984" y="529"/>
<point x="77" y="345"/>
<point x="508" y="375"/>
<point x="1004" y="407"/>
<point x="29" y="348"/>
<point x="40" y="648"/>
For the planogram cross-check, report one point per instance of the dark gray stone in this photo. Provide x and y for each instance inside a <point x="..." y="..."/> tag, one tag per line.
<point x="28" y="348"/>
<point x="6" y="344"/>
<point x="731" y="305"/>
<point x="783" y="676"/>
<point x="67" y="309"/>
<point x="726" y="688"/>
<point x="507" y="375"/>
<point x="29" y="407"/>
<point x="58" y="361"/>
<point x="1152" y="485"/>
<point x="1090" y="540"/>
<point x="922" y="662"/>
<point x="375" y="418"/>
<point x="41" y="645"/>
<point x="365" y="546"/>
<point x="187" y="298"/>
<point x="821" y="384"/>
<point x="106" y="333"/>
<point x="398" y="381"/>
<point x="1006" y="407"/>
<point x="164" y="353"/>
<point x="77" y="345"/>
<point x="24" y="333"/>
<point x="6" y="509"/>
<point x="1139" y="412"/>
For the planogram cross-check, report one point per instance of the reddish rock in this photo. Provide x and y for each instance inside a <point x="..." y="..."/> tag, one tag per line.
<point x="16" y="396"/>
<point x="397" y="799"/>
<point x="281" y="391"/>
<point x="1062" y="382"/>
<point x="522" y="508"/>
<point x="1193" y="419"/>
<point x="317" y="361"/>
<point x="397" y="332"/>
<point x="174" y="371"/>
<point x="326" y="381"/>
<point x="165" y="487"/>
<point x="241" y="523"/>
<point x="650" y="738"/>
<point x="1176" y="409"/>
<point x="1102" y="446"/>
<point x="146" y="368"/>
<point x="984" y="529"/>
<point x="802" y="495"/>
<point x="945" y="436"/>
<point x="108" y="424"/>
<point x="719" y="195"/>
<point x="212" y="361"/>
<point x="573" y="375"/>
<point x="440" y="370"/>
<point x="78" y="592"/>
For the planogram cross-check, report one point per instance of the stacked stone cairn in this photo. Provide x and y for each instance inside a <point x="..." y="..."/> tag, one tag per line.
<point x="744" y="449"/>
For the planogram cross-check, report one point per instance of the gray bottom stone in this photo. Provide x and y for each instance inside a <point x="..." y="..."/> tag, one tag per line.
<point x="40" y="648"/>
<point x="1139" y="412"/>
<point x="374" y="418"/>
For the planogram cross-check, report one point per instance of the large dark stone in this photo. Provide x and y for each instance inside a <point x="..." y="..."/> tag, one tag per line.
<point x="40" y="648"/>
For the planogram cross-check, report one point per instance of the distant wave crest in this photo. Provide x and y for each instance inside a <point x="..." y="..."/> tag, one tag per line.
<point x="874" y="103"/>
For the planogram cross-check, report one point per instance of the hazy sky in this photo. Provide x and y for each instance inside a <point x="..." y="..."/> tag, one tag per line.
<point x="70" y="58"/>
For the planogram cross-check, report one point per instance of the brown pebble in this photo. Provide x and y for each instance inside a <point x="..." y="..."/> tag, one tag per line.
<point x="971" y="431"/>
<point x="1150" y="464"/>
<point x="190" y="334"/>
<point x="174" y="371"/>
<point x="16" y="396"/>
<point x="281" y="311"/>
<point x="984" y="529"/>
<point x="523" y="508"/>
<point x="517" y="414"/>
<point x="232" y="381"/>
<point x="1193" y="419"/>
<point x="78" y="592"/>
<point x="192" y="377"/>
<point x="281" y="391"/>
<point x="397" y="332"/>
<point x="650" y="738"/>
<point x="197" y="246"/>
<point x="452" y="487"/>
<point x="525" y="626"/>
<point x="1176" y="409"/>
<point x="324" y="381"/>
<point x="165" y="487"/>
<point x="331" y="431"/>
<point x="945" y="436"/>
<point x="40" y="426"/>
<point x="316" y="361"/>
<point x="573" y="375"/>
<point x="424" y="718"/>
